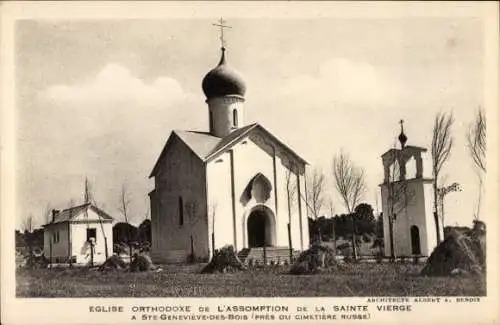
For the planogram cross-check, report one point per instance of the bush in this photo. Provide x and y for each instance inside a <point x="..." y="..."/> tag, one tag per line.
<point x="224" y="260"/>
<point x="36" y="262"/>
<point x="113" y="262"/>
<point x="318" y="258"/>
<point x="141" y="262"/>
<point x="458" y="254"/>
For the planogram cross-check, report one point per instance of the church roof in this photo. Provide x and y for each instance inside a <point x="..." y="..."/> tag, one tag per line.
<point x="201" y="143"/>
<point x="206" y="146"/>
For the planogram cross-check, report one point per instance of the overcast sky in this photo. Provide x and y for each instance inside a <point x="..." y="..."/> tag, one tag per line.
<point x="99" y="98"/>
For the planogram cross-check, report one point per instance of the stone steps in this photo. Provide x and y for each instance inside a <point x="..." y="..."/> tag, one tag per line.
<point x="276" y="255"/>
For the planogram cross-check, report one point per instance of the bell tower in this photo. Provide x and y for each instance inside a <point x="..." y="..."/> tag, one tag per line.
<point x="409" y="226"/>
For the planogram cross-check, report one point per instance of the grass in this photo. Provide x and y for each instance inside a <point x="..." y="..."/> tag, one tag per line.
<point x="362" y="279"/>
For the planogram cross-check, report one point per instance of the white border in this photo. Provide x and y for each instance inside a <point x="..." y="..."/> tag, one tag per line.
<point x="64" y="311"/>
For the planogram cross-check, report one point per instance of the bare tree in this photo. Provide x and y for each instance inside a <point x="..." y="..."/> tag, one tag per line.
<point x="88" y="197"/>
<point x="28" y="223"/>
<point x="350" y="185"/>
<point x="47" y="213"/>
<point x="291" y="190"/>
<point x="476" y="142"/>
<point x="212" y="212"/>
<point x="331" y="207"/>
<point x="28" y="235"/>
<point x="315" y="193"/>
<point x="442" y="142"/>
<point x="124" y="202"/>
<point x="123" y="207"/>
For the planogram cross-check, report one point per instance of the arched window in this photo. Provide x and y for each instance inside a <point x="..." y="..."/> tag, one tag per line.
<point x="235" y="118"/>
<point x="415" y="240"/>
<point x="181" y="211"/>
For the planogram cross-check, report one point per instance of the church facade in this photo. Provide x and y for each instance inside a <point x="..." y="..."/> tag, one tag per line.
<point x="234" y="185"/>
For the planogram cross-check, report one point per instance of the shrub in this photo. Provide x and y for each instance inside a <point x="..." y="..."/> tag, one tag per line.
<point x="141" y="262"/>
<point x="224" y="260"/>
<point x="113" y="262"/>
<point x="458" y="254"/>
<point x="318" y="258"/>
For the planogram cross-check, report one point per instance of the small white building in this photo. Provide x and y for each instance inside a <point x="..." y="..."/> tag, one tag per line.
<point x="80" y="233"/>
<point x="407" y="202"/>
<point x="234" y="185"/>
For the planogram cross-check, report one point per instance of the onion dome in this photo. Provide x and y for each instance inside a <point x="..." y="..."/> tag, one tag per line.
<point x="402" y="136"/>
<point x="222" y="81"/>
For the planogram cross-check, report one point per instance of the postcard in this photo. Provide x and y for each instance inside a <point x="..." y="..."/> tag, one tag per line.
<point x="249" y="162"/>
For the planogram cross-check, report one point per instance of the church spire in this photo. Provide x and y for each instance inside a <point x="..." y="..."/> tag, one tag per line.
<point x="402" y="136"/>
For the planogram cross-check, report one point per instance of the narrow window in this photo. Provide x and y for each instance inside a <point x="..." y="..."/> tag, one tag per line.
<point x="181" y="211"/>
<point x="211" y="120"/>
<point x="235" y="118"/>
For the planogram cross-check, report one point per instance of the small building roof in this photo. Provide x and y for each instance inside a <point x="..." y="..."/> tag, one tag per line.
<point x="70" y="214"/>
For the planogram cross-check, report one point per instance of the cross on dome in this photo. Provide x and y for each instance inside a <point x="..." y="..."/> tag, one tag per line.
<point x="222" y="25"/>
<point x="222" y="80"/>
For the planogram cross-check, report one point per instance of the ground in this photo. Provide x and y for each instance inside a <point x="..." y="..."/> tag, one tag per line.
<point x="362" y="279"/>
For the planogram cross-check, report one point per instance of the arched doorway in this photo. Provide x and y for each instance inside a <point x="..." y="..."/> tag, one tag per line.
<point x="261" y="228"/>
<point x="415" y="240"/>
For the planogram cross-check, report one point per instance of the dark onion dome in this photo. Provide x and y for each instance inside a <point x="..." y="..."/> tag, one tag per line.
<point x="402" y="138"/>
<point x="222" y="81"/>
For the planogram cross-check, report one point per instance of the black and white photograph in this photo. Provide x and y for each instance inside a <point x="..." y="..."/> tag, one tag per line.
<point x="321" y="150"/>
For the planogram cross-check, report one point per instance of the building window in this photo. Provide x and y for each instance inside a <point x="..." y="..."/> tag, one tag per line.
<point x="91" y="233"/>
<point x="235" y="118"/>
<point x="181" y="211"/>
<point x="415" y="240"/>
<point x="55" y="236"/>
<point x="211" y="120"/>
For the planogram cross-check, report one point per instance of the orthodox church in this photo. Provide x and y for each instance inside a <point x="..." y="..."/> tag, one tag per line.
<point x="234" y="185"/>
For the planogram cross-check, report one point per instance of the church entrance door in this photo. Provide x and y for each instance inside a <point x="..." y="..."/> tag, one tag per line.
<point x="260" y="226"/>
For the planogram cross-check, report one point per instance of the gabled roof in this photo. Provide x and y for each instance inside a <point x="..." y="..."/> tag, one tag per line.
<point x="231" y="138"/>
<point x="73" y="212"/>
<point x="206" y="146"/>
<point x="201" y="143"/>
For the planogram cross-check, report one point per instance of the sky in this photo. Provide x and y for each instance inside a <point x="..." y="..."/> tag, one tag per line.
<point x="99" y="98"/>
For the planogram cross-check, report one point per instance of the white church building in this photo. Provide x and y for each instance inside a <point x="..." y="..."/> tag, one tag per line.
<point x="407" y="202"/>
<point x="234" y="185"/>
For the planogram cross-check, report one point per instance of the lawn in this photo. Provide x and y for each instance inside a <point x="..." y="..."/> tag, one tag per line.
<point x="362" y="279"/>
